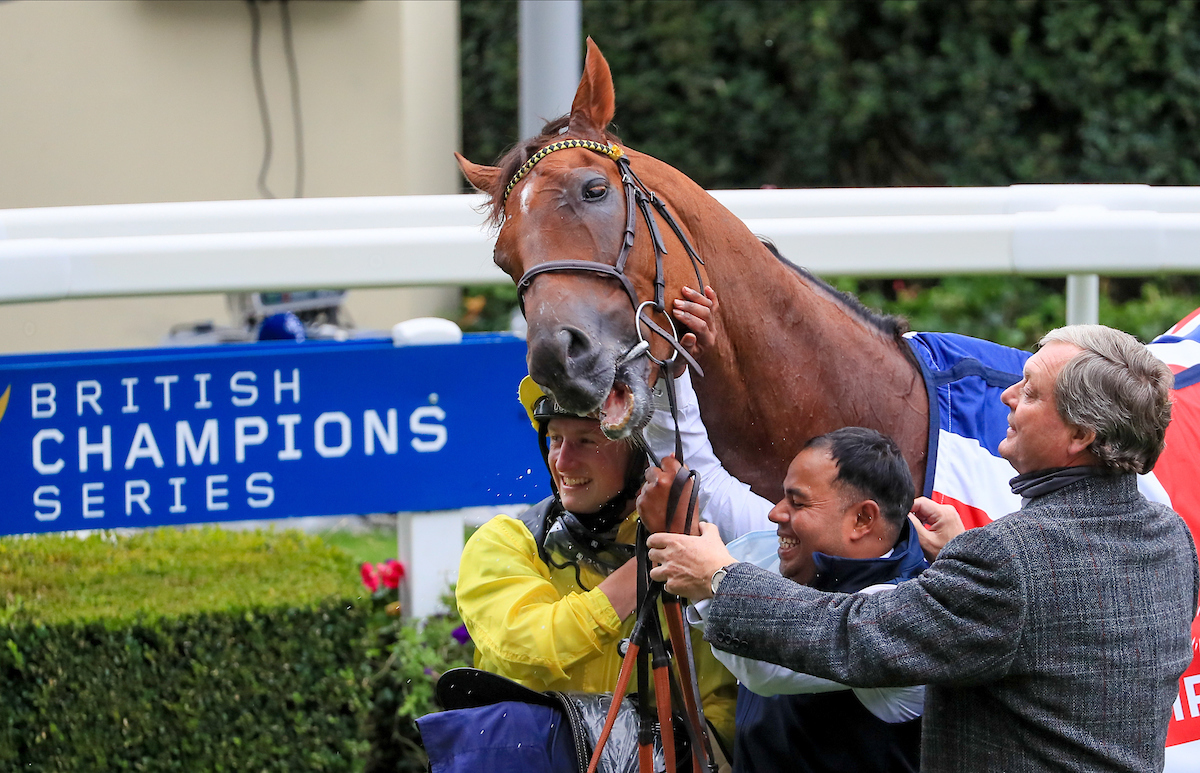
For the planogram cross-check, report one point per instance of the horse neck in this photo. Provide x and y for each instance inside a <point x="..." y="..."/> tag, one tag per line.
<point x="791" y="361"/>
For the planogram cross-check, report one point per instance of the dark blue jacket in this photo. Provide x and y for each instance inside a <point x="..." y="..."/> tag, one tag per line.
<point x="827" y="732"/>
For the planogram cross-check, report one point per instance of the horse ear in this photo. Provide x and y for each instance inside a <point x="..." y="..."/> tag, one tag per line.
<point x="482" y="177"/>
<point x="594" y="103"/>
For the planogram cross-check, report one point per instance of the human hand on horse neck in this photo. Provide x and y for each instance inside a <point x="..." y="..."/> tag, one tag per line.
<point x="935" y="525"/>
<point x="696" y="311"/>
<point x="687" y="563"/>
<point x="652" y="499"/>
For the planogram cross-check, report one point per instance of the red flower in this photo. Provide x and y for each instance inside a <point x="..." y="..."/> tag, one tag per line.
<point x="370" y="576"/>
<point x="391" y="572"/>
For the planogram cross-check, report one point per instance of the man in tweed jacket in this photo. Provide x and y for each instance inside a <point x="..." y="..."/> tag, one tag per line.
<point x="1051" y="639"/>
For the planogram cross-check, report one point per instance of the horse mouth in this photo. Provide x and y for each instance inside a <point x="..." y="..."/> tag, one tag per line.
<point x="617" y="411"/>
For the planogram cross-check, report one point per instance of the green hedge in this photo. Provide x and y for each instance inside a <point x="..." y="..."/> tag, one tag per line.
<point x="172" y="650"/>
<point x="162" y="572"/>
<point x="180" y="650"/>
<point x="266" y="689"/>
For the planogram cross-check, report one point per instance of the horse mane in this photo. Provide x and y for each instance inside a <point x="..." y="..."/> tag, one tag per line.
<point x="518" y="154"/>
<point x="889" y="324"/>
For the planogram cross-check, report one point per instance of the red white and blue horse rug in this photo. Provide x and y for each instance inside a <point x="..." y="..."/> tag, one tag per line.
<point x="965" y="377"/>
<point x="1179" y="471"/>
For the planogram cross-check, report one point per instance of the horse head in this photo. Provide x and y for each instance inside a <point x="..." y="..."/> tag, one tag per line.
<point x="583" y="263"/>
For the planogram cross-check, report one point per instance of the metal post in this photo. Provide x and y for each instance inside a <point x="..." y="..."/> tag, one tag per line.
<point x="1083" y="299"/>
<point x="430" y="545"/>
<point x="551" y="44"/>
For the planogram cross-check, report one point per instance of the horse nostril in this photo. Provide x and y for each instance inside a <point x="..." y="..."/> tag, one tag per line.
<point x="568" y="353"/>
<point x="567" y="361"/>
<point x="577" y="348"/>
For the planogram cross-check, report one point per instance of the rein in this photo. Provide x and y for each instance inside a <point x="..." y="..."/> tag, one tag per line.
<point x="646" y="640"/>
<point x="637" y="198"/>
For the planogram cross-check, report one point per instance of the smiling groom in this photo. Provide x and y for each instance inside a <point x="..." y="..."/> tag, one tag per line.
<point x="840" y="526"/>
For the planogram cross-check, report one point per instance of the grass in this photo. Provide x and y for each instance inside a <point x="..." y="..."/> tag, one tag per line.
<point x="375" y="546"/>
<point x="159" y="572"/>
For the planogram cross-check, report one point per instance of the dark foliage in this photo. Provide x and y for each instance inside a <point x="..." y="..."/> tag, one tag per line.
<point x="823" y="93"/>
<point x="407" y="660"/>
<point x="741" y="93"/>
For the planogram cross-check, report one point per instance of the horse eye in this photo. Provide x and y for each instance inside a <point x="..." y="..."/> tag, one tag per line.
<point x="595" y="190"/>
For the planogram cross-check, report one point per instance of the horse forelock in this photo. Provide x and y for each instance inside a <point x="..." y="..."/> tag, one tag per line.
<point x="518" y="154"/>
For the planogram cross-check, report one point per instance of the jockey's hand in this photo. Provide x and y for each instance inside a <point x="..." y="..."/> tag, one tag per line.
<point x="686" y="563"/>
<point x="697" y="313"/>
<point x="620" y="588"/>
<point x="935" y="525"/>
<point x="652" y="499"/>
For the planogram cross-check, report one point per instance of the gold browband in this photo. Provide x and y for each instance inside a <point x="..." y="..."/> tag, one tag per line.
<point x="612" y="151"/>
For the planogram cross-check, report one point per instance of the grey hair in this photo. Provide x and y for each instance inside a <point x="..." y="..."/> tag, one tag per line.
<point x="1116" y="388"/>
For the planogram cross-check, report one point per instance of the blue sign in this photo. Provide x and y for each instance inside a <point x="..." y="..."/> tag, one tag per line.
<point x="268" y="430"/>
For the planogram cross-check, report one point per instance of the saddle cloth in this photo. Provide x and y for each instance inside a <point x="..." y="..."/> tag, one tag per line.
<point x="965" y="377"/>
<point x="1179" y="348"/>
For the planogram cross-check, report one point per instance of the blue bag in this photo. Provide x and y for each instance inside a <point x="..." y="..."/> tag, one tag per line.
<point x="506" y="737"/>
<point x="495" y="724"/>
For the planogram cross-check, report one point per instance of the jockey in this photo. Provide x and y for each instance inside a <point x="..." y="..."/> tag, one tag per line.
<point x="581" y="536"/>
<point x="548" y="596"/>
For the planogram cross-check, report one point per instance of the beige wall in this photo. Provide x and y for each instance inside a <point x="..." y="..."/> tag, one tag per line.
<point x="129" y="101"/>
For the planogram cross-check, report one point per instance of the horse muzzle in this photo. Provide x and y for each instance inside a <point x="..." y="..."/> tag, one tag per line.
<point x="588" y="377"/>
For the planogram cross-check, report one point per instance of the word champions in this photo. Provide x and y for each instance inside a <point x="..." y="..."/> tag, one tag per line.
<point x="179" y="442"/>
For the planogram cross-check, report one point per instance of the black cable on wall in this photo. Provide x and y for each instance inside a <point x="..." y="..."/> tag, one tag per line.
<point x="289" y="52"/>
<point x="260" y="92"/>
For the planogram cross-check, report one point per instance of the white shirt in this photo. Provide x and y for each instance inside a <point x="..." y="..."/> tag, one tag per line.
<point x="890" y="704"/>
<point x="723" y="499"/>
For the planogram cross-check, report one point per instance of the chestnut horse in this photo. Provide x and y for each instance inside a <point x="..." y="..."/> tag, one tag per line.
<point x="793" y="359"/>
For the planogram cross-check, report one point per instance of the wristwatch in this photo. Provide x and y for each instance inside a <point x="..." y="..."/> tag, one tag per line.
<point x="717" y="577"/>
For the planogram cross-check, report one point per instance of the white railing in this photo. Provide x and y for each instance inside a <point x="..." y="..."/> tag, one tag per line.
<point x="231" y="246"/>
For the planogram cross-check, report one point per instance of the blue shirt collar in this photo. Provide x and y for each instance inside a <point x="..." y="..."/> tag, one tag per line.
<point x="850" y="575"/>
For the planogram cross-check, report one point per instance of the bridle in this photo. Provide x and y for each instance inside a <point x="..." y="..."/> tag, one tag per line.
<point x="646" y="640"/>
<point x="637" y="197"/>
